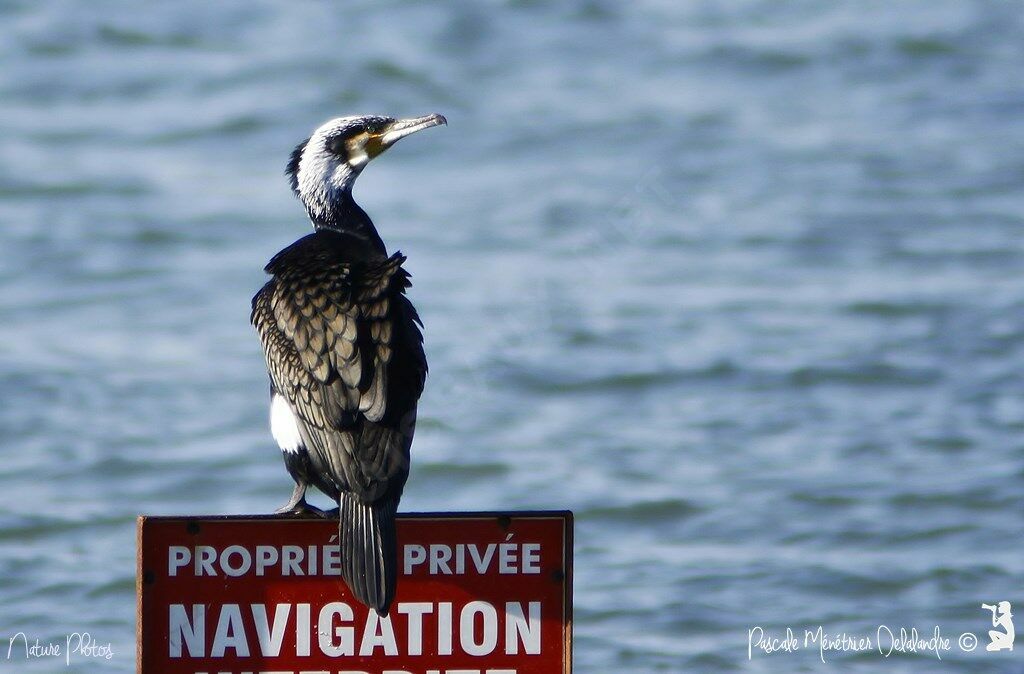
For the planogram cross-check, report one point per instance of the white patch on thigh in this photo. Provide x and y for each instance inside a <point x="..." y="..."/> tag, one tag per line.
<point x="283" y="426"/>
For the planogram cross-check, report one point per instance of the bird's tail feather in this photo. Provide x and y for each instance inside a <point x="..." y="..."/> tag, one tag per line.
<point x="369" y="550"/>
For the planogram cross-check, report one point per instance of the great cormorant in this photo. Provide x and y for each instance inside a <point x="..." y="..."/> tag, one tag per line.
<point x="344" y="351"/>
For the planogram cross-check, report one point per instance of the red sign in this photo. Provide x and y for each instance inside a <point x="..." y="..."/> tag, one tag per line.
<point x="478" y="593"/>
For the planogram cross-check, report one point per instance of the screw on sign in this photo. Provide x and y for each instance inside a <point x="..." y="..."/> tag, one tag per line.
<point x="478" y="593"/>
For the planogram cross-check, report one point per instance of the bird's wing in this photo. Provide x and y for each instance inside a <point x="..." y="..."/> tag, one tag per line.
<point x="328" y="328"/>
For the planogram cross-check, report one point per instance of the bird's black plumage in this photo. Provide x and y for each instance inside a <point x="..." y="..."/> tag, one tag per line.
<point x="345" y="353"/>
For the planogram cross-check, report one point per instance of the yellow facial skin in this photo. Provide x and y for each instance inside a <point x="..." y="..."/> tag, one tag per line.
<point x="363" y="147"/>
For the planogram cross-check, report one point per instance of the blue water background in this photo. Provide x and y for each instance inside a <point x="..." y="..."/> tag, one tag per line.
<point x="740" y="283"/>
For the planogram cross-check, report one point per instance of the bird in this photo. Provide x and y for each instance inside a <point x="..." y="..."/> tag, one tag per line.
<point x="344" y="350"/>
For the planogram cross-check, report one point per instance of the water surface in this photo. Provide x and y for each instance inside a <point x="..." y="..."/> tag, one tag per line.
<point x="738" y="283"/>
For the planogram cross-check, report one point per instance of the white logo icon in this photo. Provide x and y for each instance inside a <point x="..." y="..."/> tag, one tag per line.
<point x="1000" y="641"/>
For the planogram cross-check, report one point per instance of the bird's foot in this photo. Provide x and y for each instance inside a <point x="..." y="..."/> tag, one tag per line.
<point x="299" y="508"/>
<point x="297" y="504"/>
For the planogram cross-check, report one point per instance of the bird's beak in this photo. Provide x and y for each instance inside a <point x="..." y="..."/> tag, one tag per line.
<point x="400" y="129"/>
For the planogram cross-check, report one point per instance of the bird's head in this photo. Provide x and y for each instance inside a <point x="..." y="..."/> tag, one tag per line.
<point x="323" y="168"/>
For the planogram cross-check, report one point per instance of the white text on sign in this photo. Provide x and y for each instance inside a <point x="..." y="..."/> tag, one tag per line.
<point x="325" y="560"/>
<point x="477" y="628"/>
<point x="386" y="671"/>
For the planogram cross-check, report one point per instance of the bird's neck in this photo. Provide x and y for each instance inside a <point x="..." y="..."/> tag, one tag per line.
<point x="343" y="214"/>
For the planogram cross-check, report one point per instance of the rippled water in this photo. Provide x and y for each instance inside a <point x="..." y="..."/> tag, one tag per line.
<point x="739" y="283"/>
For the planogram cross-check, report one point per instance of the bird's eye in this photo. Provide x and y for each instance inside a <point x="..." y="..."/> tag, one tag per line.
<point x="336" y="145"/>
